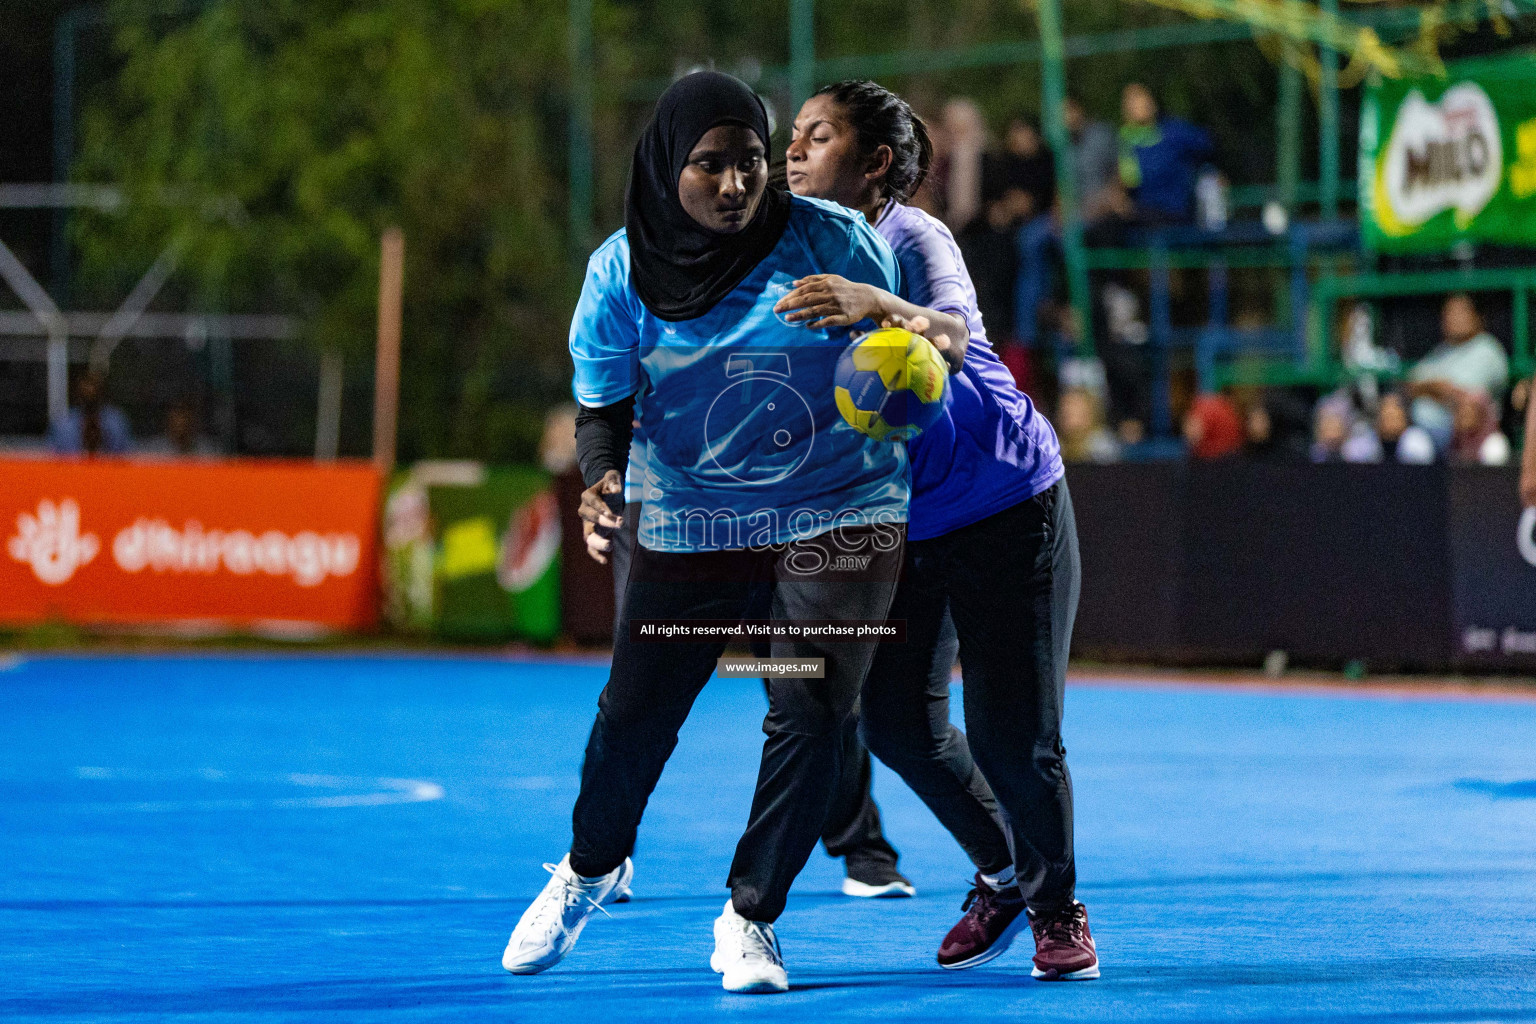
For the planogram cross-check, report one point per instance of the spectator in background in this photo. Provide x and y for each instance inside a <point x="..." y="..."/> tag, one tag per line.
<point x="1095" y="165"/>
<point x="1469" y="361"/>
<point x="181" y="438"/>
<point x="92" y="427"/>
<point x="1160" y="158"/>
<point x="1080" y="426"/>
<point x="1476" y="439"/>
<point x="1096" y="187"/>
<point x="965" y="135"/>
<point x="1400" y="440"/>
<point x="1261" y="441"/>
<point x="1019" y="183"/>
<point x="1018" y="188"/>
<point x="1213" y="429"/>
<point x="1340" y="435"/>
<point x="1275" y="428"/>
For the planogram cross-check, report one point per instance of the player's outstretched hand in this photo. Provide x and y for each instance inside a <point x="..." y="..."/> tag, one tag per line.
<point x="827" y="300"/>
<point x="919" y="324"/>
<point x="597" y="519"/>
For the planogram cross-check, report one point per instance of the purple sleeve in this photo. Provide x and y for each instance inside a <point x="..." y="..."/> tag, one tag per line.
<point x="932" y="270"/>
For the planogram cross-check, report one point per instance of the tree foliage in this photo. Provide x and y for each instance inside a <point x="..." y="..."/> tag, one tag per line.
<point x="278" y="140"/>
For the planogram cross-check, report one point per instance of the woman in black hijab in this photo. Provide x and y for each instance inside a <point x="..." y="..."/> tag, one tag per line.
<point x="757" y="503"/>
<point x="684" y="261"/>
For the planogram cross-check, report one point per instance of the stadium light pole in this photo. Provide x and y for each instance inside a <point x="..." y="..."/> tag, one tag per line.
<point x="1054" y="93"/>
<point x="579" y="154"/>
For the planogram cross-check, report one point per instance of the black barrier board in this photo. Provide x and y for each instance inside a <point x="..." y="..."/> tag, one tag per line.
<point x="1493" y="558"/>
<point x="1129" y="533"/>
<point x="1333" y="562"/>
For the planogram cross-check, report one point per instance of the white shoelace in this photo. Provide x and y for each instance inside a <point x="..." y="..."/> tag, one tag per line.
<point x="573" y="894"/>
<point x="758" y="940"/>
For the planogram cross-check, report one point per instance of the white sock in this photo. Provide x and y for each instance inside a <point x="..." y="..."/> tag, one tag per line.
<point x="1002" y="880"/>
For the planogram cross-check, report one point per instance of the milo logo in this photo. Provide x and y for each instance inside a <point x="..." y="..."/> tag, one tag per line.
<point x="1445" y="155"/>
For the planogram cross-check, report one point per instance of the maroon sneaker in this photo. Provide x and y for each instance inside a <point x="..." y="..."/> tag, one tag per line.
<point x="1064" y="948"/>
<point x="993" y="917"/>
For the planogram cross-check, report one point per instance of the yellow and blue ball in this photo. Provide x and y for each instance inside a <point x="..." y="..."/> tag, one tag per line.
<point x="891" y="384"/>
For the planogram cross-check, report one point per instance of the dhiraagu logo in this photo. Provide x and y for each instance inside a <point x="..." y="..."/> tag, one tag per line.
<point x="759" y="429"/>
<point x="1445" y="155"/>
<point x="52" y="543"/>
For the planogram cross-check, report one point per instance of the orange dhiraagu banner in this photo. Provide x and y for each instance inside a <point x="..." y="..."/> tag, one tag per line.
<point x="221" y="543"/>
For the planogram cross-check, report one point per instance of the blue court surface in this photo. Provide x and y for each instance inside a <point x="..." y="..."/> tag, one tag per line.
<point x="309" y="839"/>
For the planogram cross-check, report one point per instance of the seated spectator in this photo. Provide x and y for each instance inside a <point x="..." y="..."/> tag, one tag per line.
<point x="1212" y="428"/>
<point x="1400" y="440"/>
<point x="1340" y="435"/>
<point x="1276" y="428"/>
<point x="1080" y="426"/>
<point x="1468" y="361"/>
<point x="1160" y="159"/>
<point x="1260" y="441"/>
<point x="93" y="427"/>
<point x="1476" y="439"/>
<point x="181" y="439"/>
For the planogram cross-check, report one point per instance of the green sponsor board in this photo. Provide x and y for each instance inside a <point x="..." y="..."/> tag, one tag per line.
<point x="1446" y="160"/>
<point x="477" y="561"/>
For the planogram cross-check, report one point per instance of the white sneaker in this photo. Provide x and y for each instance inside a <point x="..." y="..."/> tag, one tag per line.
<point x="624" y="891"/>
<point x="747" y="955"/>
<point x="553" y="921"/>
<point x="878" y="891"/>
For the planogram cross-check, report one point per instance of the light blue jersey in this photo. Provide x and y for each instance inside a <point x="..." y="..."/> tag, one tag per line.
<point x="741" y="438"/>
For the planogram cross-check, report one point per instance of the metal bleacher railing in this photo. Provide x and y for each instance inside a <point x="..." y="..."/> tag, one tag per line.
<point x="1301" y="249"/>
<point x="1324" y="262"/>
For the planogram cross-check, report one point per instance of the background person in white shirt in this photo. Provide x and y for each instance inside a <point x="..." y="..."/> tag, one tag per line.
<point x="1468" y="359"/>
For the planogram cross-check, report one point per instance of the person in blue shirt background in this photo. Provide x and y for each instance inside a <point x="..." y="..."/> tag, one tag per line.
<point x="753" y="486"/>
<point x="92" y="427"/>
<point x="1160" y="158"/>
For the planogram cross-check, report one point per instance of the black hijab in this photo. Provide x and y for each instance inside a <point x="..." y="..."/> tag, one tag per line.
<point x="680" y="268"/>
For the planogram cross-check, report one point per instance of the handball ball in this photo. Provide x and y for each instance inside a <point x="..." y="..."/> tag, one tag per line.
<point x="891" y="384"/>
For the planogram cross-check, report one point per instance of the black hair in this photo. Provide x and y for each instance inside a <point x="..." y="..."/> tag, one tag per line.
<point x="883" y="118"/>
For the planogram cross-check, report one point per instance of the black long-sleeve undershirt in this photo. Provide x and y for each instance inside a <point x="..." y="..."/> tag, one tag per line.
<point x="602" y="439"/>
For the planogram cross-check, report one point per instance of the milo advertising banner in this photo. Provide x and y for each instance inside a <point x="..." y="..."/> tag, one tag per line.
<point x="475" y="559"/>
<point x="1442" y="160"/>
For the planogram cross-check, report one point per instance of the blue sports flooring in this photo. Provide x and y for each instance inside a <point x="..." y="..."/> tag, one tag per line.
<point x="312" y="839"/>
